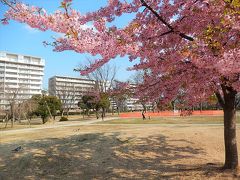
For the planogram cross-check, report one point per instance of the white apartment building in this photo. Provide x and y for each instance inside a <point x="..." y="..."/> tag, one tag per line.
<point x="132" y="103"/>
<point x="69" y="89"/>
<point x="21" y="77"/>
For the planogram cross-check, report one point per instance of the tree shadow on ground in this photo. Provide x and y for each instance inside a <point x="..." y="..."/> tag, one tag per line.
<point x="103" y="156"/>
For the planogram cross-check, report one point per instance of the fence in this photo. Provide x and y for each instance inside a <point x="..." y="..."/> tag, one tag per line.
<point x="171" y="113"/>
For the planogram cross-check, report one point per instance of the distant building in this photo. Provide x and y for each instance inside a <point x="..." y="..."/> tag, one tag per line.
<point x="20" y="77"/>
<point x="131" y="103"/>
<point x="69" y="89"/>
<point x="134" y="104"/>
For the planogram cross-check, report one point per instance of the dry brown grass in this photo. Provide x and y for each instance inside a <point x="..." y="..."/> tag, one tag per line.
<point x="115" y="152"/>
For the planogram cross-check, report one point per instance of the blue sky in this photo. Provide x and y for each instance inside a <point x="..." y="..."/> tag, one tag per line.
<point x="19" y="38"/>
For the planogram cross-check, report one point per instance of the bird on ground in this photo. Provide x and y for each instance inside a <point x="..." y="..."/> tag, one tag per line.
<point x="17" y="149"/>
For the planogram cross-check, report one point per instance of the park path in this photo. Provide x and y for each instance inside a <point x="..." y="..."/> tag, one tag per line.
<point x="52" y="125"/>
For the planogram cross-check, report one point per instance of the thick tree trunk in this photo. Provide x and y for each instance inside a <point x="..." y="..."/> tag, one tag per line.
<point x="231" y="153"/>
<point x="62" y="113"/>
<point x="97" y="114"/>
<point x="103" y="114"/>
<point x="44" y="120"/>
<point x="6" y="119"/>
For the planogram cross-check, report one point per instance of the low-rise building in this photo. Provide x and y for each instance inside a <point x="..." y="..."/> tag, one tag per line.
<point x="69" y="89"/>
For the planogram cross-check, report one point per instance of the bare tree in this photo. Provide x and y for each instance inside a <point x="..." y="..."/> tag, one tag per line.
<point x="137" y="78"/>
<point x="104" y="78"/>
<point x="12" y="97"/>
<point x="26" y="109"/>
<point x="66" y="93"/>
<point x="120" y="93"/>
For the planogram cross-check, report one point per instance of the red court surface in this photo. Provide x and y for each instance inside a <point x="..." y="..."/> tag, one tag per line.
<point x="171" y="113"/>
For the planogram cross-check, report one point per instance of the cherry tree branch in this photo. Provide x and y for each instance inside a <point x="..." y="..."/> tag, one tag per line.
<point x="8" y="4"/>
<point x="156" y="14"/>
<point x="160" y="18"/>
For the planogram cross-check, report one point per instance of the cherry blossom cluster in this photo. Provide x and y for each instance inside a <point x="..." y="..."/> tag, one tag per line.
<point x="187" y="48"/>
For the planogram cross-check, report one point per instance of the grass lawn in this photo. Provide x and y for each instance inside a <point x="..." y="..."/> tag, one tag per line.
<point x="171" y="120"/>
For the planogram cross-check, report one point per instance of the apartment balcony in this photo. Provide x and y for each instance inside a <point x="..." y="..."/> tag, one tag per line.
<point x="11" y="75"/>
<point x="41" y="63"/>
<point x="23" y="72"/>
<point x="31" y="68"/>
<point x="25" y="93"/>
<point x="30" y="82"/>
<point x="11" y="81"/>
<point x="35" y="92"/>
<point x="30" y="72"/>
<point x="36" y="83"/>
<point x="35" y="88"/>
<point x="3" y="59"/>
<point x="11" y="70"/>
<point x="23" y="82"/>
<point x="11" y="65"/>
<point x="26" y="61"/>
<point x="9" y="87"/>
<point x="35" y="77"/>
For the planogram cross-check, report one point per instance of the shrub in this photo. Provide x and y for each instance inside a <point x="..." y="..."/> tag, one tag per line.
<point x="63" y="119"/>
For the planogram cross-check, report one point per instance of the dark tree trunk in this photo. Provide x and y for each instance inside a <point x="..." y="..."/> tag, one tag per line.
<point x="43" y="120"/>
<point x="118" y="110"/>
<point x="230" y="140"/>
<point x="62" y="113"/>
<point x="97" y="113"/>
<point x="87" y="111"/>
<point x="227" y="100"/>
<point x="83" y="113"/>
<point x="104" y="112"/>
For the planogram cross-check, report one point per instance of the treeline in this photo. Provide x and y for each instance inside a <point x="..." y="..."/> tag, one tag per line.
<point x="42" y="106"/>
<point x="98" y="103"/>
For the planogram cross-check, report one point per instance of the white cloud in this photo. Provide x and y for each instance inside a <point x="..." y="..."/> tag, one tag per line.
<point x="30" y="30"/>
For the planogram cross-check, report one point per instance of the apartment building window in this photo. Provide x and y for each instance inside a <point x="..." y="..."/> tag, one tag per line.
<point x="11" y="67"/>
<point x="35" y="86"/>
<point x="11" y="74"/>
<point x="23" y="75"/>
<point x="10" y="78"/>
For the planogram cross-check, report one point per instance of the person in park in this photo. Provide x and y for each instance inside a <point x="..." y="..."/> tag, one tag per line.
<point x="143" y="115"/>
<point x="188" y="48"/>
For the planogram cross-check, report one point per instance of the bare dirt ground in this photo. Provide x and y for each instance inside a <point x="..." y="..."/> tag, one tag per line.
<point x="115" y="152"/>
